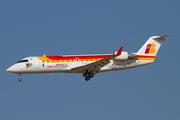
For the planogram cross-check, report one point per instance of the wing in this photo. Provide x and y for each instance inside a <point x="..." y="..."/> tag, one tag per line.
<point x="96" y="66"/>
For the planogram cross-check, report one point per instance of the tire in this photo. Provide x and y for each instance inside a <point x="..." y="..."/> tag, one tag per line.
<point x="87" y="78"/>
<point x="20" y="79"/>
<point x="91" y="75"/>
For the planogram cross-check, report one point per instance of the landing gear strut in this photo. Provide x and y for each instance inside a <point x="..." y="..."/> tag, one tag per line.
<point x="20" y="79"/>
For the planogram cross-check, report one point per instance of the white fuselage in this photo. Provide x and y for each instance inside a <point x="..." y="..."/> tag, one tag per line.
<point x="35" y="65"/>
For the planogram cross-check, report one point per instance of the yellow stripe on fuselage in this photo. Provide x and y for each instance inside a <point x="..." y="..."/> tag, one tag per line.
<point x="45" y="59"/>
<point x="143" y="59"/>
<point x="146" y="58"/>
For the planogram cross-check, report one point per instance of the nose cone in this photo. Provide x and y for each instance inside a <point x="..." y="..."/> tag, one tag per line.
<point x="10" y="69"/>
<point x="13" y="69"/>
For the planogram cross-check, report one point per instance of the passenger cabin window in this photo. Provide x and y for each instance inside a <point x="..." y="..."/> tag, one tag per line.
<point x="22" y="61"/>
<point x="57" y="60"/>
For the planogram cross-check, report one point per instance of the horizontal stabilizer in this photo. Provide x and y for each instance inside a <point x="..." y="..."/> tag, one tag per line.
<point x="131" y="55"/>
<point x="162" y="37"/>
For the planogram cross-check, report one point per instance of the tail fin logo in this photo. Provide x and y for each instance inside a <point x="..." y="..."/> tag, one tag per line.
<point x="150" y="49"/>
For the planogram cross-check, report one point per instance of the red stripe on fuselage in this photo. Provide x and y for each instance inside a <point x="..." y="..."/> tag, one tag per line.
<point x="89" y="57"/>
<point x="78" y="57"/>
<point x="143" y="56"/>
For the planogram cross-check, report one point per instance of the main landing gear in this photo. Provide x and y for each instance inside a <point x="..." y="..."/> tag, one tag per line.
<point x="20" y="79"/>
<point x="88" y="75"/>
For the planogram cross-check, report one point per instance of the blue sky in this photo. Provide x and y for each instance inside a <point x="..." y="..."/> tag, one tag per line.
<point x="33" y="28"/>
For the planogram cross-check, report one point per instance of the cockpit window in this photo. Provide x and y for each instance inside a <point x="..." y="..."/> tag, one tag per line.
<point x="22" y="61"/>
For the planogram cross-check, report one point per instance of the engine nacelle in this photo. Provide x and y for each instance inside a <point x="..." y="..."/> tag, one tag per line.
<point x="123" y="56"/>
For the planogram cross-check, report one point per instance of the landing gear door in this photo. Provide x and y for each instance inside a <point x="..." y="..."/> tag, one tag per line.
<point x="36" y="63"/>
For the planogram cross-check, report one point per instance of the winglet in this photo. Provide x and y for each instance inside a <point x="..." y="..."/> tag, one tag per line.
<point x="119" y="51"/>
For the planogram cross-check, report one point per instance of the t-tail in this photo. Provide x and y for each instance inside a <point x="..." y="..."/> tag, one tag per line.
<point x="151" y="47"/>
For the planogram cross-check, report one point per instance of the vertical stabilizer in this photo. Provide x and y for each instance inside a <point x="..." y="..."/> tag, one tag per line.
<point x="152" y="45"/>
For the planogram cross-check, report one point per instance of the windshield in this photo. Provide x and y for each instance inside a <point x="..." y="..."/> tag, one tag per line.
<point x="22" y="61"/>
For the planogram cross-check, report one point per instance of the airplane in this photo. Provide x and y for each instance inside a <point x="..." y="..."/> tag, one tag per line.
<point x="89" y="65"/>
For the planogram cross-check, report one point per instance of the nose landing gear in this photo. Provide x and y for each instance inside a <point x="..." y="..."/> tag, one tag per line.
<point x="20" y="79"/>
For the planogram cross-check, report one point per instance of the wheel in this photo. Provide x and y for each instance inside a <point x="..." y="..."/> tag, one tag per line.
<point x="87" y="78"/>
<point x="91" y="75"/>
<point x="20" y="79"/>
